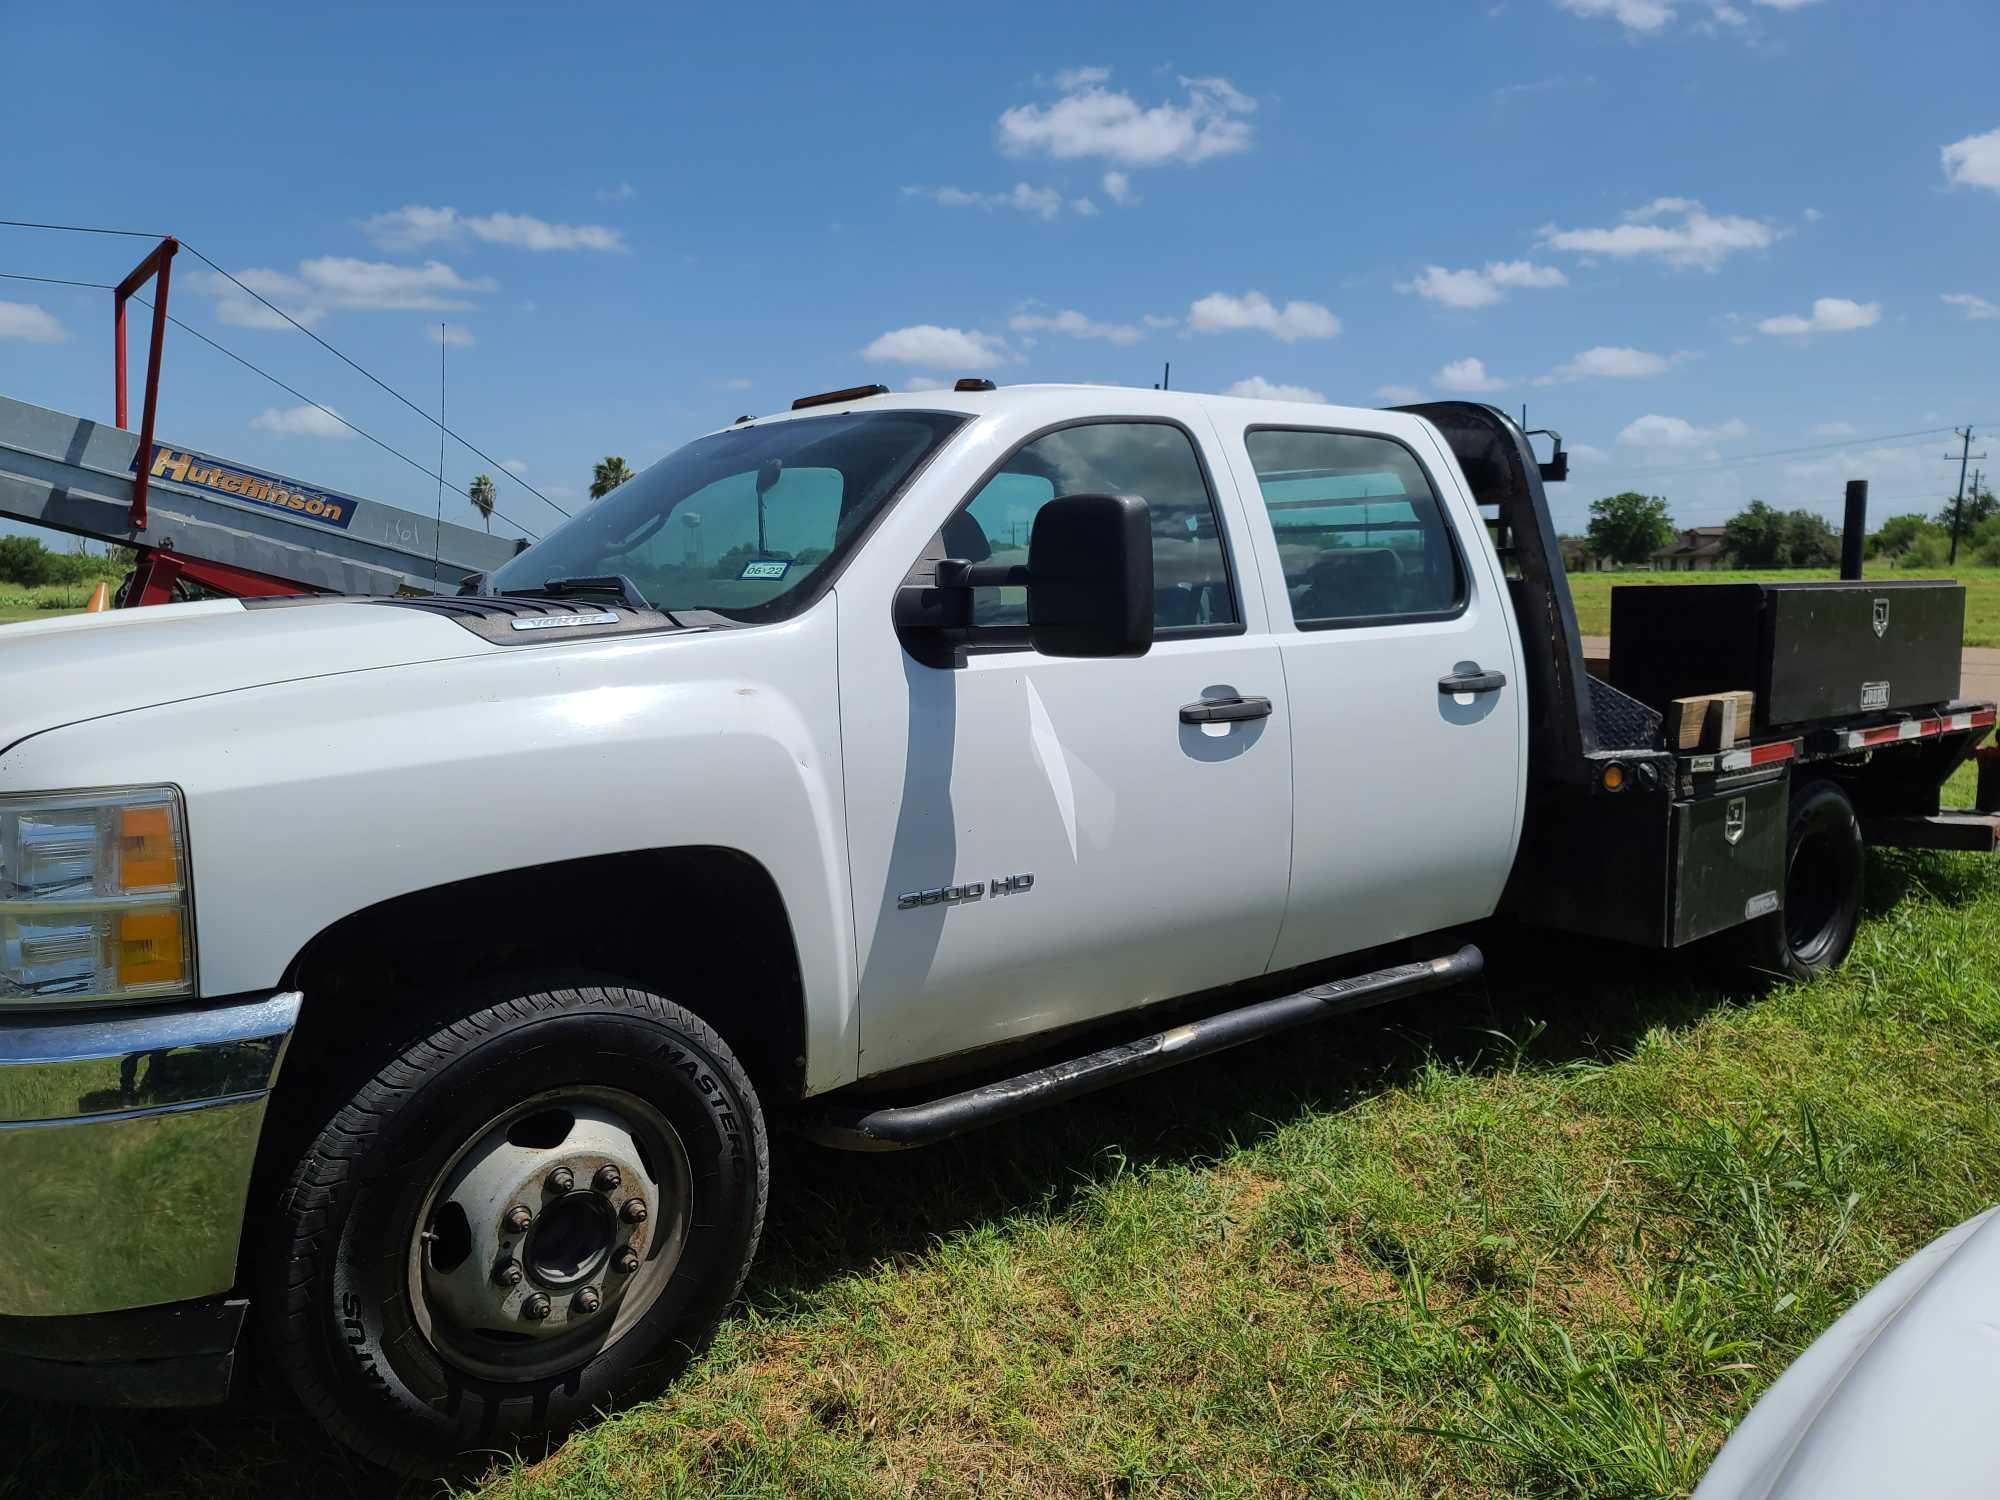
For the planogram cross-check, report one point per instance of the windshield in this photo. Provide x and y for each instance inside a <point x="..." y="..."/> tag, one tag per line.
<point x="744" y="522"/>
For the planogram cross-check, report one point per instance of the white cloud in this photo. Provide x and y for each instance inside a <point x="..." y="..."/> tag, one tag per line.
<point x="1784" y="4"/>
<point x="1091" y="120"/>
<point x="1611" y="362"/>
<point x="333" y="281"/>
<point x="937" y="348"/>
<point x="1677" y="433"/>
<point x="451" y="335"/>
<point x="415" y="225"/>
<point x="1219" y="312"/>
<point x="1813" y="216"/>
<point x="300" y="421"/>
<point x="1829" y="315"/>
<point x="30" y="323"/>
<point x="732" y="383"/>
<point x="514" y="465"/>
<point x="1468" y="377"/>
<point x="1975" y="307"/>
<point x="1399" y="395"/>
<point x="1699" y="238"/>
<point x="1074" y="324"/>
<point x="1118" y="188"/>
<point x="1257" y="388"/>
<point x="1044" y="201"/>
<point x="1474" y="287"/>
<point x="1154" y="320"/>
<point x="1974" y="161"/>
<point x="1080" y="78"/>
<point x="1084" y="208"/>
<point x="1643" y="17"/>
<point x="1834" y="430"/>
<point x="1584" y="453"/>
<point x="617" y="193"/>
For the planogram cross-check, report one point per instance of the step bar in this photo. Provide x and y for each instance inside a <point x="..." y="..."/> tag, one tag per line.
<point x="898" y="1127"/>
<point x="1967" y="831"/>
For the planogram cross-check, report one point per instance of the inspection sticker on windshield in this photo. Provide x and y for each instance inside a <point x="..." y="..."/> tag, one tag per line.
<point x="766" y="567"/>
<point x="563" y="622"/>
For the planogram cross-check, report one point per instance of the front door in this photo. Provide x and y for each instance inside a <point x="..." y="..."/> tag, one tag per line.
<point x="1037" y="842"/>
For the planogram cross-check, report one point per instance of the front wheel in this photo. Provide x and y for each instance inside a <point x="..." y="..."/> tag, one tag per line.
<point x="512" y="1221"/>
<point x="1825" y="860"/>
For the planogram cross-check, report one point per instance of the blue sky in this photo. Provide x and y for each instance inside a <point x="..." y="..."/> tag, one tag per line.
<point x="1686" y="233"/>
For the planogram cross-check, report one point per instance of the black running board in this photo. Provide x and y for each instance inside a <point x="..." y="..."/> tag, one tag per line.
<point x="894" y="1128"/>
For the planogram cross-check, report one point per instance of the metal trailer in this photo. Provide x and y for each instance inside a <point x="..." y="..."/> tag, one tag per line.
<point x="202" y="524"/>
<point x="1625" y="838"/>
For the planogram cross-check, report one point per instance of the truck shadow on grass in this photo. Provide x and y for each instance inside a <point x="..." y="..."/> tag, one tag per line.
<point x="834" y="1214"/>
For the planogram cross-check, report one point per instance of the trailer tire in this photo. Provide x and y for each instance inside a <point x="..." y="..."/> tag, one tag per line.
<point x="396" y="1278"/>
<point x="1826" y="859"/>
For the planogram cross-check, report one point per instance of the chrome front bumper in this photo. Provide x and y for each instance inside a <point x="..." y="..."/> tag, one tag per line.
<point x="126" y="1146"/>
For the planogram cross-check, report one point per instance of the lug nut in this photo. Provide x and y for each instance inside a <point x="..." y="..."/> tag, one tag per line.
<point x="587" y="1300"/>
<point x="561" y="1180"/>
<point x="508" y="1272"/>
<point x="519" y="1217"/>
<point x="634" y="1211"/>
<point x="607" y="1179"/>
<point x="535" y="1308"/>
<point x="626" y="1261"/>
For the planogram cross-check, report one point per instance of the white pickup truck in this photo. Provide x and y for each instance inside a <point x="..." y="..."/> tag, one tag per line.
<point x="420" y="976"/>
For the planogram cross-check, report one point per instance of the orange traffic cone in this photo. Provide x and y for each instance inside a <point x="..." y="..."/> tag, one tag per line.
<point x="100" y="598"/>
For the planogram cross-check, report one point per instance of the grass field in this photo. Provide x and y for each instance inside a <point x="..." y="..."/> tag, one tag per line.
<point x="1592" y="592"/>
<point x="1549" y="1239"/>
<point x="43" y="601"/>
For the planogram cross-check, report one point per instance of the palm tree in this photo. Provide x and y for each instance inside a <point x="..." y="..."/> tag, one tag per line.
<point x="481" y="495"/>
<point x="608" y="476"/>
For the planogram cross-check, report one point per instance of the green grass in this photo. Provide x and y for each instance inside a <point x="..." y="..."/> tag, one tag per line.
<point x="1550" y="1239"/>
<point x="1592" y="592"/>
<point x="43" y="601"/>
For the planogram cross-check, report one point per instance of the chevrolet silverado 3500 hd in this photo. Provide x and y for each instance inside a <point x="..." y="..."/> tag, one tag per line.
<point x="418" y="974"/>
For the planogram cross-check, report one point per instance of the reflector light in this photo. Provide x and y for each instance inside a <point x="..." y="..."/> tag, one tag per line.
<point x="1612" y="778"/>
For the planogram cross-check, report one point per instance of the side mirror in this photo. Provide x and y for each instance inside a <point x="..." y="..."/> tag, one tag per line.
<point x="1089" y="580"/>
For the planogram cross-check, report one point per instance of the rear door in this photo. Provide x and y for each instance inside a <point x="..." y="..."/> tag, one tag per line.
<point x="1401" y="673"/>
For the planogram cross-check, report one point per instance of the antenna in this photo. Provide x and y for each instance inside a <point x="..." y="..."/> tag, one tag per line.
<point x="437" y="535"/>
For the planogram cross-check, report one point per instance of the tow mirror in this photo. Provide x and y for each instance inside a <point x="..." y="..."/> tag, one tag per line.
<point x="1089" y="579"/>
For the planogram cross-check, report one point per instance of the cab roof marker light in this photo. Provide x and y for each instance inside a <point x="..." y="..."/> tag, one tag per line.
<point x="828" y="398"/>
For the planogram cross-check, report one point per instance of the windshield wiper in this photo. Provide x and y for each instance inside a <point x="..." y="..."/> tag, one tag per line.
<point x="617" y="585"/>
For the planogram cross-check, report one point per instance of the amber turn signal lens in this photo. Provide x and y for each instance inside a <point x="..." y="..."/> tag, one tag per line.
<point x="146" y="855"/>
<point x="150" y="949"/>
<point x="1613" y="778"/>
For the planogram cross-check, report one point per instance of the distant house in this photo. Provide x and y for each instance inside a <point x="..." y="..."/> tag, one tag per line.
<point x="1577" y="555"/>
<point x="1699" y="549"/>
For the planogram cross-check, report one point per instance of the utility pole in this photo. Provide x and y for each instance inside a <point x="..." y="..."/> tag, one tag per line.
<point x="1958" y="506"/>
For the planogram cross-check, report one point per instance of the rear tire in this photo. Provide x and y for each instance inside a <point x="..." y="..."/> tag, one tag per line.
<point x="396" y="1282"/>
<point x="1825" y="862"/>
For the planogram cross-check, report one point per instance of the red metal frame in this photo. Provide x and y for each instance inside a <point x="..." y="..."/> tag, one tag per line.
<point x="158" y="570"/>
<point x="159" y="263"/>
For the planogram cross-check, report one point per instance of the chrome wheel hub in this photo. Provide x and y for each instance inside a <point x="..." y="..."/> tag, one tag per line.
<point x="550" y="1233"/>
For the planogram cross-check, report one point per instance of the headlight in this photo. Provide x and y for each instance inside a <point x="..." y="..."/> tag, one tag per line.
<point x="95" y="902"/>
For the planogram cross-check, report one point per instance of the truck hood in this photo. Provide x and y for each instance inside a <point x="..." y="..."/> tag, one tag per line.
<point x="1895" y="1399"/>
<point x="56" y="672"/>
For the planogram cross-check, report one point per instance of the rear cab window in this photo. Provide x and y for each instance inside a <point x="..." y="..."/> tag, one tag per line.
<point x="1361" y="536"/>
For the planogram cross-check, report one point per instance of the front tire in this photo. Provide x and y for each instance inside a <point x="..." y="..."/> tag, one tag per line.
<point x="1825" y="861"/>
<point x="514" y="1221"/>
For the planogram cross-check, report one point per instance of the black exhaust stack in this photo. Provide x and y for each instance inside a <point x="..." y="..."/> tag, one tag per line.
<point x="1854" y="531"/>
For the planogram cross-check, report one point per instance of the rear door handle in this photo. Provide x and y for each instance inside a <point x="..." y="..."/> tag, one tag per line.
<point x="1225" y="710"/>
<point x="1474" y="681"/>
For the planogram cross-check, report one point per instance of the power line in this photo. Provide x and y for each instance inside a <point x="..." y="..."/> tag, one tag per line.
<point x="1743" y="459"/>
<point x="1958" y="505"/>
<point x="105" y="286"/>
<point x="251" y="292"/>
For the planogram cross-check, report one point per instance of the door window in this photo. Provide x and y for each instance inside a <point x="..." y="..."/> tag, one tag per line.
<point x="1154" y="460"/>
<point x="1361" y="535"/>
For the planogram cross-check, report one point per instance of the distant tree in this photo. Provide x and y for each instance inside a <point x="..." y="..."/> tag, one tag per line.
<point x="1979" y="505"/>
<point x="481" y="495"/>
<point x="1759" y="536"/>
<point x="1899" y="534"/>
<point x="1629" y="527"/>
<point x="25" y="560"/>
<point x="608" y="476"/>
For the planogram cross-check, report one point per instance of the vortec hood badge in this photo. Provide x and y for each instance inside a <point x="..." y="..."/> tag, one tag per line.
<point x="562" y="622"/>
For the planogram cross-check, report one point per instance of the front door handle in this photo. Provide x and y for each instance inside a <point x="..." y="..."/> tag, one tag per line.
<point x="1474" y="681"/>
<point x="1225" y="710"/>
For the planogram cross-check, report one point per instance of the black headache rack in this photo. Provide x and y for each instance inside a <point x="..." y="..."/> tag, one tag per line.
<point x="1625" y="838"/>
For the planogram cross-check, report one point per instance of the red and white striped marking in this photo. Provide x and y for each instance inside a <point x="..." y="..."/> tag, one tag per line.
<point x="1745" y="758"/>
<point x="1915" y="729"/>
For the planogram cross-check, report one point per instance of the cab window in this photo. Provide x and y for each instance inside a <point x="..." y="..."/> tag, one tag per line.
<point x="1361" y="535"/>
<point x="1154" y="460"/>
